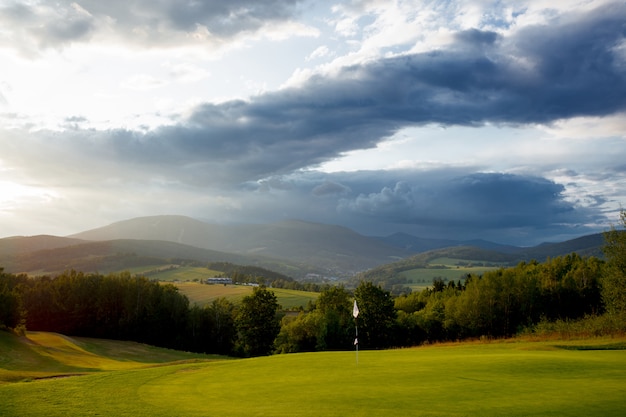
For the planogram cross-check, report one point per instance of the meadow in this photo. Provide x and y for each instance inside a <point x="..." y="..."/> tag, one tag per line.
<point x="503" y="378"/>
<point x="172" y="273"/>
<point x="188" y="278"/>
<point x="202" y="294"/>
<point x="447" y="268"/>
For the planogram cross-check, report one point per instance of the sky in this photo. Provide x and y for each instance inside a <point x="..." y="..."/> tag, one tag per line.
<point x="473" y="119"/>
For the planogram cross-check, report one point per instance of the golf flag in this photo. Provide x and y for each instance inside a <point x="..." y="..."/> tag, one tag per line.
<point x="355" y="314"/>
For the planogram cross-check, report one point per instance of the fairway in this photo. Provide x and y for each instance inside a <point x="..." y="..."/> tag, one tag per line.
<point x="479" y="379"/>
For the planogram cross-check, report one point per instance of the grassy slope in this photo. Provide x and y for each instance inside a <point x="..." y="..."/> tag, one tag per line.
<point x="423" y="277"/>
<point x="185" y="273"/>
<point x="496" y="379"/>
<point x="202" y="294"/>
<point x="289" y="299"/>
<point x="44" y="355"/>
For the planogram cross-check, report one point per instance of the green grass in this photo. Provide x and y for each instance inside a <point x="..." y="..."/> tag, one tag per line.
<point x="185" y="273"/>
<point x="202" y="294"/>
<point x="139" y="270"/>
<point x="474" y="379"/>
<point x="44" y="355"/>
<point x="290" y="299"/>
<point x="423" y="277"/>
<point x="453" y="262"/>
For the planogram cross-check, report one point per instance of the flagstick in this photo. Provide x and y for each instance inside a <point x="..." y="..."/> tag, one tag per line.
<point x="356" y="341"/>
<point x="355" y="314"/>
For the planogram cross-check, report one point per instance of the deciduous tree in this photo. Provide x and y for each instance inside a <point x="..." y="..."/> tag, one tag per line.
<point x="336" y="327"/>
<point x="614" y="282"/>
<point x="257" y="323"/>
<point x="377" y="316"/>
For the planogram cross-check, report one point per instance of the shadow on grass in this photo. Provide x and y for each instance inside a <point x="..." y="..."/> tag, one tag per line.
<point x="610" y="346"/>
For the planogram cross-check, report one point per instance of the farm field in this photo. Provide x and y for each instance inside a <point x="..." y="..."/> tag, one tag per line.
<point x="202" y="294"/>
<point x="446" y="268"/>
<point x="183" y="273"/>
<point x="509" y="378"/>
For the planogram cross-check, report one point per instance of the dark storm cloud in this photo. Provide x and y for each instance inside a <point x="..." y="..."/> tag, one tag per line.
<point x="148" y="22"/>
<point x="541" y="74"/>
<point x="330" y="188"/>
<point x="570" y="67"/>
<point x="452" y="202"/>
<point x="574" y="69"/>
<point x="482" y="200"/>
<point x="475" y="37"/>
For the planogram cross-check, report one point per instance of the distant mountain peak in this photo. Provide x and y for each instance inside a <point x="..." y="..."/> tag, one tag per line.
<point x="291" y="244"/>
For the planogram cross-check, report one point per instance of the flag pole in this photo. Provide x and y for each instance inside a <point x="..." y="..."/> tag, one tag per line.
<point x="356" y="341"/>
<point x="355" y="314"/>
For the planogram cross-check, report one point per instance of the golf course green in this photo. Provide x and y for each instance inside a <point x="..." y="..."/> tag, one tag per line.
<point x="512" y="378"/>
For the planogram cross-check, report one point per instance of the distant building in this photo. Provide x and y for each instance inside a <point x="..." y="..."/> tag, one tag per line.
<point x="219" y="281"/>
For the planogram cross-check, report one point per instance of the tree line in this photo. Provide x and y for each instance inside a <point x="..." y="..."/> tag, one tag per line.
<point x="248" y="273"/>
<point x="499" y="303"/>
<point x="125" y="307"/>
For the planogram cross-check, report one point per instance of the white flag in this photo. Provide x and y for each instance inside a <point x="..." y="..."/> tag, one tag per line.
<point x="355" y="310"/>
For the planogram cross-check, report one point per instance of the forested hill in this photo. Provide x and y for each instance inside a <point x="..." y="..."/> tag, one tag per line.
<point x="293" y="248"/>
<point x="336" y="249"/>
<point x="590" y="245"/>
<point x="120" y="255"/>
<point x="17" y="245"/>
<point x="389" y="273"/>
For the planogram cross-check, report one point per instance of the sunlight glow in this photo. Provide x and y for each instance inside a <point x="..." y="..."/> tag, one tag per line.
<point x="12" y="195"/>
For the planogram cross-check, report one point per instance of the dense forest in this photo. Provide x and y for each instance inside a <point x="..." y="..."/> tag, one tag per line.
<point x="498" y="303"/>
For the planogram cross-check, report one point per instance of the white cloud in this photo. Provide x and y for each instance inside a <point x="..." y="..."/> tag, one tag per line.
<point x="319" y="52"/>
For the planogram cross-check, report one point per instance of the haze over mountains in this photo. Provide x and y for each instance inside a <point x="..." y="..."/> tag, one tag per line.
<point x="291" y="247"/>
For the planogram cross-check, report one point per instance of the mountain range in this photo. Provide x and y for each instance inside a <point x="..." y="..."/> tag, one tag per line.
<point x="292" y="247"/>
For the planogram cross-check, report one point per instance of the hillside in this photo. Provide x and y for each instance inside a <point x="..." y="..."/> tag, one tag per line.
<point x="415" y="244"/>
<point x="335" y="249"/>
<point x="394" y="273"/>
<point x="293" y="248"/>
<point x="45" y="355"/>
<point x="125" y="254"/>
<point x="590" y="245"/>
<point x="179" y="229"/>
<point x="17" y="245"/>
